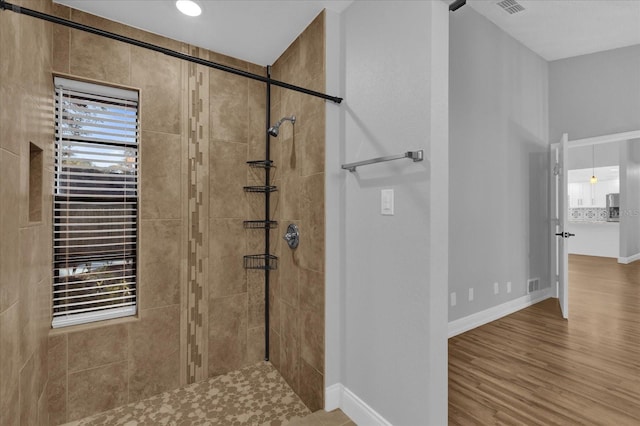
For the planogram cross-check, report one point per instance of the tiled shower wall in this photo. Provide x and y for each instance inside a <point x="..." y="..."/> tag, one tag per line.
<point x="195" y="308"/>
<point x="25" y="240"/>
<point x="297" y="297"/>
<point x="200" y="313"/>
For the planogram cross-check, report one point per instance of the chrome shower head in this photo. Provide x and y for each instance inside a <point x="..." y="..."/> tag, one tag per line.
<point x="275" y="129"/>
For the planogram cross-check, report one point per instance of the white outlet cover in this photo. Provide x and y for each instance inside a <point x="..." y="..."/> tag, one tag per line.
<point x="471" y="294"/>
<point x="496" y="288"/>
<point x="453" y="299"/>
<point x="509" y="287"/>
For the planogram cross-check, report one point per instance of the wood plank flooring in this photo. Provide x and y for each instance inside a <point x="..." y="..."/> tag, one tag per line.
<point x="535" y="368"/>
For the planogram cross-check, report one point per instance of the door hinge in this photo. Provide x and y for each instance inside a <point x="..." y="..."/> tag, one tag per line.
<point x="556" y="169"/>
<point x="557" y="279"/>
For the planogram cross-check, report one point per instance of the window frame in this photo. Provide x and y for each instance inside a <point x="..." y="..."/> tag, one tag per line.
<point x="126" y="182"/>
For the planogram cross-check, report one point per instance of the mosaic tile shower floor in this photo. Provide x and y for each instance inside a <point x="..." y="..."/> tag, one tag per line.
<point x="255" y="395"/>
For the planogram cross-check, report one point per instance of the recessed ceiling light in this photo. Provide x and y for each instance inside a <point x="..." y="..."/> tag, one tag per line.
<point x="189" y="7"/>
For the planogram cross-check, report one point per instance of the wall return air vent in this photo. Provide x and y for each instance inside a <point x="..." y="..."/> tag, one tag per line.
<point x="511" y="6"/>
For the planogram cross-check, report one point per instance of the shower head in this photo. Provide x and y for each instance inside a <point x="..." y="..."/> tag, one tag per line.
<point x="275" y="129"/>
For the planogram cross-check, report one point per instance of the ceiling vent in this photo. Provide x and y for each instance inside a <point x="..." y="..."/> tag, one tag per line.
<point x="511" y="6"/>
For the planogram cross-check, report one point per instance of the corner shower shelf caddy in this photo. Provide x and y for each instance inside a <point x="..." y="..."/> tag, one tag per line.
<point x="260" y="189"/>
<point x="265" y="261"/>
<point x="261" y="261"/>
<point x="260" y="224"/>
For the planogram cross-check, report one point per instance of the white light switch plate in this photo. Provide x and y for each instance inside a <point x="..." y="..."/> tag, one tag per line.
<point x="386" y="202"/>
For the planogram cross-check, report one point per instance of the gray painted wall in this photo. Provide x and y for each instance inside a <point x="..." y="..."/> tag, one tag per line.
<point x="387" y="275"/>
<point x="499" y="229"/>
<point x="596" y="94"/>
<point x="630" y="198"/>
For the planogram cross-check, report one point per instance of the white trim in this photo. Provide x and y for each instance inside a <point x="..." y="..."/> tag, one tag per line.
<point x="96" y="89"/>
<point x="472" y="321"/>
<point x="338" y="396"/>
<point x="627" y="260"/>
<point x="333" y="397"/>
<point x="87" y="317"/>
<point x="596" y="140"/>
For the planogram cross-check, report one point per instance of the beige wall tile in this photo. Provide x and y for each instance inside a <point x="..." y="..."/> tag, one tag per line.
<point x="10" y="362"/>
<point x="312" y="337"/>
<point x="151" y="378"/>
<point x="159" y="78"/>
<point x="227" y="333"/>
<point x="228" y="173"/>
<point x="312" y="54"/>
<point x="61" y="40"/>
<point x="274" y="300"/>
<point x="13" y="120"/>
<point x="290" y="196"/>
<point x="227" y="247"/>
<point x="229" y="107"/>
<point x="274" y="349"/>
<point x="10" y="406"/>
<point x="255" y="290"/>
<point x="312" y="211"/>
<point x="159" y="276"/>
<point x="311" y="290"/>
<point x="57" y="400"/>
<point x="97" y="346"/>
<point x="99" y="58"/>
<point x="160" y="173"/>
<point x="289" y="289"/>
<point x="97" y="389"/>
<point x="9" y="223"/>
<point x="311" y="387"/>
<point x="28" y="393"/>
<point x="255" y="345"/>
<point x="57" y="385"/>
<point x="154" y="342"/>
<point x="290" y="346"/>
<point x="312" y="145"/>
<point x="43" y="410"/>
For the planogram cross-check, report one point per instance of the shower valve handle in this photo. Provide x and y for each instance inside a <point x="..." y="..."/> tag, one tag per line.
<point x="292" y="237"/>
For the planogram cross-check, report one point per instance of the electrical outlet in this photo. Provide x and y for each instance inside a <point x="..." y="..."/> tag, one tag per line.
<point x="453" y="299"/>
<point x="471" y="294"/>
<point x="496" y="288"/>
<point x="509" y="287"/>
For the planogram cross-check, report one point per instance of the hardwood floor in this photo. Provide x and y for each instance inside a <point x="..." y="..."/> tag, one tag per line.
<point x="535" y="368"/>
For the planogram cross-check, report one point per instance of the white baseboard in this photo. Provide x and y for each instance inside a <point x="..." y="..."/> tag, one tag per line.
<point x="333" y="397"/>
<point x="470" y="322"/>
<point x="338" y="396"/>
<point x="627" y="260"/>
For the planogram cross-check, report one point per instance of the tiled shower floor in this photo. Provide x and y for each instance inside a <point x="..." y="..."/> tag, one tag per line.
<point x="255" y="395"/>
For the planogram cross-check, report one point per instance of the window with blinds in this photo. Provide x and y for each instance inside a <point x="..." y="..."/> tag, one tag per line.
<point x="95" y="203"/>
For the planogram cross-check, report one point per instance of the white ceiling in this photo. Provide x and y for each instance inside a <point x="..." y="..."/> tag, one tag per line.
<point x="603" y="174"/>
<point x="257" y="31"/>
<point x="557" y="29"/>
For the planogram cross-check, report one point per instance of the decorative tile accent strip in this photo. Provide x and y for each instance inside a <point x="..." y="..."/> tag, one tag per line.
<point x="254" y="395"/>
<point x="198" y="168"/>
<point x="588" y="214"/>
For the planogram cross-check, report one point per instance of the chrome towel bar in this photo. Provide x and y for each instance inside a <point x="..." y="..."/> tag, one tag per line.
<point x="414" y="155"/>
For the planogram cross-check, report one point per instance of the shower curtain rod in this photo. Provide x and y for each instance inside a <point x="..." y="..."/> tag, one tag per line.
<point x="35" y="14"/>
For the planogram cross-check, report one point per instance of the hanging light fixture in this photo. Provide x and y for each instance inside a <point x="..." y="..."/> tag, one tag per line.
<point x="593" y="179"/>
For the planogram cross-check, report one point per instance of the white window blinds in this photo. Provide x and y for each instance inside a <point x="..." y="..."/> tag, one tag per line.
<point x="95" y="203"/>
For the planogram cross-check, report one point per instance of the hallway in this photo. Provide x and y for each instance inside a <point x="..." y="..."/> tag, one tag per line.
<point x="533" y="367"/>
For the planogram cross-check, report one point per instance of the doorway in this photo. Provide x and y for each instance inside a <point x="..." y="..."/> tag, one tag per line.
<point x="562" y="225"/>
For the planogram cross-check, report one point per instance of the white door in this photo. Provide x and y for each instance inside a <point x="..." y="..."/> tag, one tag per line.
<point x="560" y="214"/>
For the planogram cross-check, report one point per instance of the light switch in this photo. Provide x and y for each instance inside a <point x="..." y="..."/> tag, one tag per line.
<point x="386" y="202"/>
